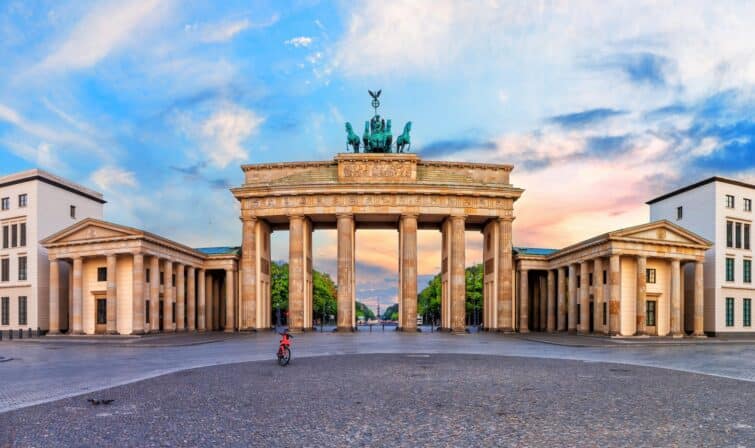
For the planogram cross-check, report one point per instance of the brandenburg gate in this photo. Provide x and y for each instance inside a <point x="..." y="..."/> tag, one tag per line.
<point x="376" y="190"/>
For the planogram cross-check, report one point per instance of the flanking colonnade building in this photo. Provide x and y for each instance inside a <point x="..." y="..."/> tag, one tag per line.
<point x="108" y="278"/>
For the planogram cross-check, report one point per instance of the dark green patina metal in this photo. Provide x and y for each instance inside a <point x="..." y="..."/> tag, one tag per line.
<point x="377" y="136"/>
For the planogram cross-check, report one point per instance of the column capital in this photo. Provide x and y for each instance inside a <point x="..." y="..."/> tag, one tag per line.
<point x="409" y="215"/>
<point x="344" y="216"/>
<point x="248" y="215"/>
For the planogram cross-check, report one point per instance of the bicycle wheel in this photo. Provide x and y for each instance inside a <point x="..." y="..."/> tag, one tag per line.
<point x="284" y="357"/>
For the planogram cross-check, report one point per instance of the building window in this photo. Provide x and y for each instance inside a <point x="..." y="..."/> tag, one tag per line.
<point x="14" y="235"/>
<point x="729" y="312"/>
<point x="146" y="275"/>
<point x="747" y="271"/>
<point x="22" y="234"/>
<point x="22" y="268"/>
<point x="729" y="269"/>
<point x="729" y="201"/>
<point x="173" y="280"/>
<point x="579" y="281"/>
<point x="5" y="269"/>
<point x="679" y="213"/>
<point x="747" y="312"/>
<point x="22" y="310"/>
<point x="650" y="276"/>
<point x="738" y="233"/>
<point x="162" y="278"/>
<point x="605" y="276"/>
<point x="5" y="318"/>
<point x="23" y="200"/>
<point x="650" y="313"/>
<point x="748" y="205"/>
<point x="747" y="236"/>
<point x="73" y="211"/>
<point x="101" y="274"/>
<point x="729" y="234"/>
<point x="5" y="203"/>
<point x="590" y="279"/>
<point x="605" y="313"/>
<point x="146" y="311"/>
<point x="579" y="313"/>
<point x="6" y="229"/>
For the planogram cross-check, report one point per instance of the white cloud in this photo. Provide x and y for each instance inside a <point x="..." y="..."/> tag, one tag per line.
<point x="301" y="41"/>
<point x="224" y="32"/>
<point x="42" y="155"/>
<point x="224" y="132"/>
<point x="106" y="28"/>
<point x="108" y="177"/>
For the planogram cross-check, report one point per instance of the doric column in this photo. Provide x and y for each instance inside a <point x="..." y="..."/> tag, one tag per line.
<point x="78" y="297"/>
<point x="137" y="294"/>
<point x="551" y="319"/>
<point x="154" y="294"/>
<point x="614" y="294"/>
<point x="536" y="303"/>
<point x="676" y="299"/>
<point x="543" y="302"/>
<point x="641" y="293"/>
<point x="208" y="308"/>
<point x="191" y="299"/>
<point x="505" y="276"/>
<point x="296" y="273"/>
<point x="112" y="296"/>
<point x="524" y="293"/>
<point x="572" y="298"/>
<point x="408" y="271"/>
<point x="201" y="307"/>
<point x="699" y="294"/>
<point x="180" y="298"/>
<point x="168" y="297"/>
<point x="345" y="317"/>
<point x="584" y="298"/>
<point x="54" y="327"/>
<point x="230" y="320"/>
<point x="458" y="279"/>
<point x="597" y="275"/>
<point x="249" y="266"/>
<point x="561" y="308"/>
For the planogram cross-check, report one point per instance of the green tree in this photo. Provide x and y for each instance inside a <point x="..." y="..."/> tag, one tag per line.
<point x="428" y="300"/>
<point x="364" y="311"/>
<point x="391" y="313"/>
<point x="323" y="295"/>
<point x="278" y="290"/>
<point x="474" y="277"/>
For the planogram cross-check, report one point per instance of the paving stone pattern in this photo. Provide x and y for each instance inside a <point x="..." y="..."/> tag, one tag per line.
<point x="402" y="400"/>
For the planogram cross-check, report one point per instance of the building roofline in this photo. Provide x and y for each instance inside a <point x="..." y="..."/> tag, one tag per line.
<point x="700" y="184"/>
<point x="51" y="179"/>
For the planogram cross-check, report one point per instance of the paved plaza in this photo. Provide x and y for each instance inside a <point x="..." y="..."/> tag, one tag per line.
<point x="380" y="387"/>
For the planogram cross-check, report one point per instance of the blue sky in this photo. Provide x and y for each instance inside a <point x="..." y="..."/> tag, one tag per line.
<point x="599" y="105"/>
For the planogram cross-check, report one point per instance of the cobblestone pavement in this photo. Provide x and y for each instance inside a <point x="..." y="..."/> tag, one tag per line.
<point x="402" y="400"/>
<point x="38" y="372"/>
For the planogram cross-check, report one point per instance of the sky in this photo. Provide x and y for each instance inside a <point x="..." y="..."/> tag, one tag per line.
<point x="600" y="105"/>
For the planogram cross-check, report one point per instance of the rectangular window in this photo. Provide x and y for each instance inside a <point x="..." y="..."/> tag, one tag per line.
<point x="101" y="274"/>
<point x="748" y="205"/>
<point x="650" y="276"/>
<point x="6" y="229"/>
<point x="729" y="312"/>
<point x="729" y="234"/>
<point x="605" y="313"/>
<point x="605" y="277"/>
<point x="747" y="271"/>
<point x="579" y="313"/>
<point x="5" y="203"/>
<point x="162" y="278"/>
<point x="590" y="280"/>
<point x="73" y="211"/>
<point x="173" y="280"/>
<point x="22" y="310"/>
<point x="747" y="312"/>
<point x="146" y="310"/>
<point x="23" y="200"/>
<point x="5" y="270"/>
<point x="14" y="235"/>
<point x="22" y="268"/>
<point x="729" y="201"/>
<point x="5" y="318"/>
<point x="146" y="275"/>
<point x="22" y="234"/>
<point x="650" y="313"/>
<point x="738" y="233"/>
<point x="679" y="213"/>
<point x="579" y="281"/>
<point x="729" y="269"/>
<point x="747" y="236"/>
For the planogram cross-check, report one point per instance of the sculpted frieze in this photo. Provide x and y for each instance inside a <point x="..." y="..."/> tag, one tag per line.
<point x="385" y="200"/>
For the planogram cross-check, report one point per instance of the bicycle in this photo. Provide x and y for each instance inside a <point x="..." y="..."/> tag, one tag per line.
<point x="284" y="349"/>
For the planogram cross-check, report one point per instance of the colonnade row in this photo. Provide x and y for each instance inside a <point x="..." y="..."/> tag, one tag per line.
<point x="159" y="295"/>
<point x="595" y="295"/>
<point x="255" y="278"/>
